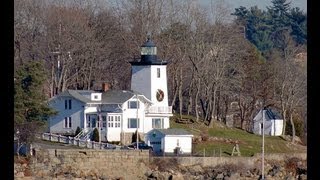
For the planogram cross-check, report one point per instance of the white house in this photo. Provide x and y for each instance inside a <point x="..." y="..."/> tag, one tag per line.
<point x="272" y="120"/>
<point x="170" y="141"/>
<point x="118" y="113"/>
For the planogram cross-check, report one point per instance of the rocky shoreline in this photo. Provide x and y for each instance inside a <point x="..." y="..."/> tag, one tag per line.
<point x="292" y="168"/>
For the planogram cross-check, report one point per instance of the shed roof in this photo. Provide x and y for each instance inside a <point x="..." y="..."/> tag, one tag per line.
<point x="272" y="114"/>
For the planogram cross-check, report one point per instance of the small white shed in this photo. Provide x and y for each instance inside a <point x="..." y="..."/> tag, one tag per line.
<point x="273" y="123"/>
<point x="170" y="141"/>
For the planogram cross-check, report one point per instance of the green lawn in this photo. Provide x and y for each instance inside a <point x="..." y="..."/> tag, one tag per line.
<point x="249" y="143"/>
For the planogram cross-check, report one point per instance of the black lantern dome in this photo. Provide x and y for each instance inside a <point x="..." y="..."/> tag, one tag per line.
<point x="149" y="55"/>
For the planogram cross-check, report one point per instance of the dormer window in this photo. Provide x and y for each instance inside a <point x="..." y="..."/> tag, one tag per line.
<point x="133" y="105"/>
<point x="96" y="96"/>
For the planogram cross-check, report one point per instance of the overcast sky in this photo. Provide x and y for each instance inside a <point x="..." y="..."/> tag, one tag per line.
<point x="262" y="4"/>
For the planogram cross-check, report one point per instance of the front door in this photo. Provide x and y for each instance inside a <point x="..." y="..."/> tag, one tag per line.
<point x="103" y="127"/>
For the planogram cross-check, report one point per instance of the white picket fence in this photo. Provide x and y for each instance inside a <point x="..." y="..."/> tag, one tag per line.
<point x="78" y="142"/>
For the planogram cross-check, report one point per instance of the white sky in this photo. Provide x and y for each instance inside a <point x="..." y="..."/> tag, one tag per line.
<point x="262" y="4"/>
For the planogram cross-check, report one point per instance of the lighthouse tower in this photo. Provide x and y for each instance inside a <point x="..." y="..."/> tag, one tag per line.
<point x="149" y="77"/>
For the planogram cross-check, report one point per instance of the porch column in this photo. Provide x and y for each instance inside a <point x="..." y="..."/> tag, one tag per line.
<point x="84" y="119"/>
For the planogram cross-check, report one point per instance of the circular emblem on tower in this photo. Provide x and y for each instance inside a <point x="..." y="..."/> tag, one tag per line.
<point x="160" y="95"/>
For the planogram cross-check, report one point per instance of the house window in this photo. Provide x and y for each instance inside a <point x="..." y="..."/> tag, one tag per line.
<point x="158" y="72"/>
<point x="110" y="121"/>
<point x="93" y="120"/>
<point x="104" y="121"/>
<point x="157" y="123"/>
<point x="65" y="104"/>
<point x="133" y="105"/>
<point x="67" y="122"/>
<point x="89" y="121"/>
<point x="117" y="121"/>
<point x="70" y="104"/>
<point x="114" y="121"/>
<point x="133" y="123"/>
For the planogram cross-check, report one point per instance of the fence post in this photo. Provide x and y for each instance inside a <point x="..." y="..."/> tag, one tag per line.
<point x="59" y="137"/>
<point x="50" y="138"/>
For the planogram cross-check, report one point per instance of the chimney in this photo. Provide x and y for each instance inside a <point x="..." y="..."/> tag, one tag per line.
<point x="105" y="87"/>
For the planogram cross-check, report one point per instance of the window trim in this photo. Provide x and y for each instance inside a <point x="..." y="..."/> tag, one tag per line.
<point x="137" y="120"/>
<point x="67" y="122"/>
<point x="114" y="121"/>
<point x="161" y="123"/>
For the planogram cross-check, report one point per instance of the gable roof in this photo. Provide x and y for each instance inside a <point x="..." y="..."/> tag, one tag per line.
<point x="116" y="96"/>
<point x="270" y="114"/>
<point x="77" y="94"/>
<point x="108" y="97"/>
<point x="174" y="131"/>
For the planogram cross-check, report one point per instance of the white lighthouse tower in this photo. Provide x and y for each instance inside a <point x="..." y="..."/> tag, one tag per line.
<point x="149" y="77"/>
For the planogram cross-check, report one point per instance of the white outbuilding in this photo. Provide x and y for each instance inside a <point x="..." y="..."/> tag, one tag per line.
<point x="272" y="120"/>
<point x="170" y="141"/>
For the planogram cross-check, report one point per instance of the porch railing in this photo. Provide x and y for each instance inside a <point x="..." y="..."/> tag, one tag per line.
<point x="159" y="110"/>
<point x="78" y="142"/>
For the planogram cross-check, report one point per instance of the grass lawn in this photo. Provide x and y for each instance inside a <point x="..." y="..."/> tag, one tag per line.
<point x="249" y="143"/>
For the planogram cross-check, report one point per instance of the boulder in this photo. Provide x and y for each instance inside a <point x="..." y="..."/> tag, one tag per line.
<point x="220" y="176"/>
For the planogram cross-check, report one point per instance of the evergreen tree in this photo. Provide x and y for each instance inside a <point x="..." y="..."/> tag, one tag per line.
<point x="134" y="137"/>
<point x="270" y="29"/>
<point x="30" y="107"/>
<point x="78" y="130"/>
<point x="95" y="135"/>
<point x="298" y="21"/>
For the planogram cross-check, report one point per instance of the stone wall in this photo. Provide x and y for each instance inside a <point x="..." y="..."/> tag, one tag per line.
<point x="126" y="138"/>
<point x="119" y="164"/>
<point x="248" y="161"/>
<point x="94" y="163"/>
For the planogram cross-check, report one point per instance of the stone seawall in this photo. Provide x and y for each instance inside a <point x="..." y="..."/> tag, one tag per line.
<point x="119" y="164"/>
<point x="248" y="161"/>
<point x="94" y="163"/>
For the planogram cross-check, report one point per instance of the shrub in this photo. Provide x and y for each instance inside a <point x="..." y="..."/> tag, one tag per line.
<point x="291" y="164"/>
<point x="204" y="136"/>
<point x="78" y="130"/>
<point x="95" y="135"/>
<point x="134" y="137"/>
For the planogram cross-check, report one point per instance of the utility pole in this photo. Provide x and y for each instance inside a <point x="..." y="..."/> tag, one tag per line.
<point x="137" y="135"/>
<point x="262" y="171"/>
<point x="99" y="122"/>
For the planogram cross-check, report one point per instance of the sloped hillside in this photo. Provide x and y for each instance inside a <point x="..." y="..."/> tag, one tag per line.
<point x="220" y="140"/>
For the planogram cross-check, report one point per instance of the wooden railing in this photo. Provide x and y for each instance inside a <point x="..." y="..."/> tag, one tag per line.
<point x="78" y="142"/>
<point x="160" y="110"/>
